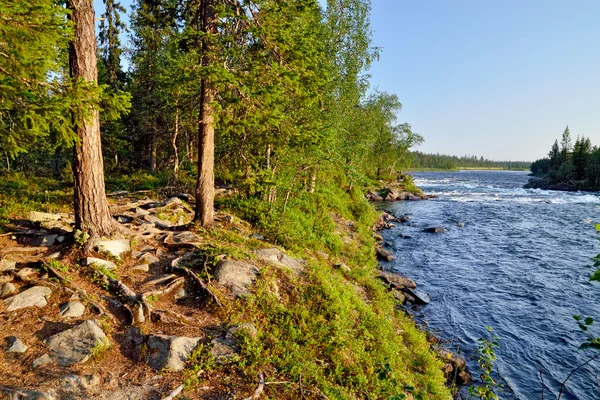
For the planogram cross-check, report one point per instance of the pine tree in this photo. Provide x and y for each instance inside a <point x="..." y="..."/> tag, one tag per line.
<point x="565" y="145"/>
<point x="555" y="157"/>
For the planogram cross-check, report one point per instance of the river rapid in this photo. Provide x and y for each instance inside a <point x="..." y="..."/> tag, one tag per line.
<point x="521" y="264"/>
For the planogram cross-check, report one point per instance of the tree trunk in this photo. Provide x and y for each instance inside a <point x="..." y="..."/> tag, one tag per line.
<point x="205" y="185"/>
<point x="153" y="148"/>
<point x="174" y="139"/>
<point x="91" y="207"/>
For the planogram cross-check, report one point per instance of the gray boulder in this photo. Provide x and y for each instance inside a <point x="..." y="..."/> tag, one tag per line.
<point x="72" y="309"/>
<point x="396" y="281"/>
<point x="435" y="229"/>
<point x="169" y="352"/>
<point x="43" y="360"/>
<point x="113" y="247"/>
<point x="419" y="297"/>
<point x="148" y="258"/>
<point x="280" y="259"/>
<point x="32" y="297"/>
<point x="236" y="275"/>
<point x="15" y="345"/>
<point x="383" y="254"/>
<point x="35" y="216"/>
<point x="6" y="265"/>
<point x="78" y="344"/>
<point x="100" y="263"/>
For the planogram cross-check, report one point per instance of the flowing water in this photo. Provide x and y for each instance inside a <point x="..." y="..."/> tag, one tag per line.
<point x="521" y="264"/>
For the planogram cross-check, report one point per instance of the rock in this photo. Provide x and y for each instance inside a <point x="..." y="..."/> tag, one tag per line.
<point x="113" y="247"/>
<point x="419" y="297"/>
<point x="6" y="265"/>
<point x="436" y="229"/>
<point x="31" y="395"/>
<point x="32" y="297"/>
<point x="7" y="289"/>
<point x="72" y="309"/>
<point x="383" y="254"/>
<point x="343" y="267"/>
<point x="78" y="344"/>
<point x="228" y="219"/>
<point x="461" y="224"/>
<point x="404" y="219"/>
<point x="465" y="379"/>
<point x="279" y="258"/>
<point x="186" y="237"/>
<point x="141" y="268"/>
<point x="169" y="352"/>
<point x="43" y="360"/>
<point x="139" y="211"/>
<point x="180" y="295"/>
<point x="404" y="236"/>
<point x="378" y="237"/>
<point x="396" y="281"/>
<point x="224" y="348"/>
<point x="15" y="345"/>
<point x="100" y="263"/>
<point x="80" y="383"/>
<point x="398" y="295"/>
<point x="46" y="241"/>
<point x="236" y="275"/>
<point x="25" y="272"/>
<point x="35" y="216"/>
<point x="138" y="314"/>
<point x="148" y="258"/>
<point x="408" y="298"/>
<point x="257" y="236"/>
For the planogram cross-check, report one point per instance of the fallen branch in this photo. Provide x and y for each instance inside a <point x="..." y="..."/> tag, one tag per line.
<point x="174" y="393"/>
<point x="259" y="389"/>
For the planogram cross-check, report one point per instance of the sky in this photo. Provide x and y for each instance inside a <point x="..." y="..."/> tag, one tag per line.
<point x="495" y="79"/>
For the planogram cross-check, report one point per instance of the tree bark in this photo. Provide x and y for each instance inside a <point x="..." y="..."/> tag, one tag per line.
<point x="205" y="185"/>
<point x="174" y="139"/>
<point x="91" y="207"/>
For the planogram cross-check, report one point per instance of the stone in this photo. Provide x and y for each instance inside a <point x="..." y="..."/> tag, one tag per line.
<point x="141" y="268"/>
<point x="100" y="263"/>
<point x="7" y="289"/>
<point x="435" y="229"/>
<point x="113" y="247"/>
<point x="35" y="216"/>
<point x="461" y="224"/>
<point x="148" y="258"/>
<point x="79" y="382"/>
<point x="225" y="347"/>
<point x="398" y="295"/>
<point x="169" y="352"/>
<point x="404" y="219"/>
<point x="6" y="265"/>
<point x="420" y="297"/>
<point x="383" y="254"/>
<point x="139" y="211"/>
<point x="257" y="236"/>
<point x="229" y="219"/>
<point x="343" y="267"/>
<point x="72" y="309"/>
<point x="180" y="295"/>
<point x="15" y="345"/>
<point x="43" y="360"/>
<point x="46" y="241"/>
<point x="25" y="272"/>
<point x="137" y="313"/>
<point x="156" y="221"/>
<point x="465" y="379"/>
<point x="32" y="297"/>
<point x="236" y="275"/>
<point x="279" y="258"/>
<point x="186" y="237"/>
<point x="78" y="344"/>
<point x="396" y="281"/>
<point x="33" y="395"/>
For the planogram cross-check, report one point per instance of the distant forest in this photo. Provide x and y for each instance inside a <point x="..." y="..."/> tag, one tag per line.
<point x="444" y="161"/>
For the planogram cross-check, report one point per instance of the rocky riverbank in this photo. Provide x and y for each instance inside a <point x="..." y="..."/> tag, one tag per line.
<point x="405" y="290"/>
<point x="546" y="183"/>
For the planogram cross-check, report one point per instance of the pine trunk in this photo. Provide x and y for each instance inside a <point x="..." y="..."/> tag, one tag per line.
<point x="205" y="185"/>
<point x="91" y="207"/>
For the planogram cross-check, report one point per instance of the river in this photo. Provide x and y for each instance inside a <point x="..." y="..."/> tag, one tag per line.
<point x="521" y="264"/>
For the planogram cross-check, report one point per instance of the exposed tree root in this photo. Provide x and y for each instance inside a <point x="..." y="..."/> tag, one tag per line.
<point x="199" y="283"/>
<point x="259" y="389"/>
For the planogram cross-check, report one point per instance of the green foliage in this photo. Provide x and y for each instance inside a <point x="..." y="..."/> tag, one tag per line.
<point x="447" y="162"/>
<point x="487" y="356"/>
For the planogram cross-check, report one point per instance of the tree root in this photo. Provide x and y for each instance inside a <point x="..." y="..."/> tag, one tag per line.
<point x="174" y="393"/>
<point x="259" y="389"/>
<point x="201" y="285"/>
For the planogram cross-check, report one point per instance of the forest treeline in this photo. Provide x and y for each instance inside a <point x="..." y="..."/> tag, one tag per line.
<point x="268" y="95"/>
<point x="444" y="161"/>
<point x="569" y="165"/>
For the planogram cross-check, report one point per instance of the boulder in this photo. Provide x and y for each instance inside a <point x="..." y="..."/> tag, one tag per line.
<point x="148" y="258"/>
<point x="140" y="268"/>
<point x="434" y="229"/>
<point x="100" y="263"/>
<point x="35" y="216"/>
<point x="186" y="237"/>
<point x="113" y="247"/>
<point x="15" y="345"/>
<point x="383" y="254"/>
<point x="169" y="352"/>
<point x="396" y="281"/>
<point x="43" y="360"/>
<point x="404" y="219"/>
<point x="32" y="297"/>
<point x="7" y="289"/>
<point x="46" y="241"/>
<point x="78" y="344"/>
<point x="420" y="298"/>
<point x="72" y="309"/>
<point x="279" y="258"/>
<point x="236" y="275"/>
<point x="225" y="347"/>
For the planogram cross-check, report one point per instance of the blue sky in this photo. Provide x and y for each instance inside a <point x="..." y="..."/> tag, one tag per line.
<point x="483" y="77"/>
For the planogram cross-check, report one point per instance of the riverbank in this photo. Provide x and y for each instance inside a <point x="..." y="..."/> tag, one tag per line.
<point x="288" y="311"/>
<point x="458" y="169"/>
<point x="545" y="183"/>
